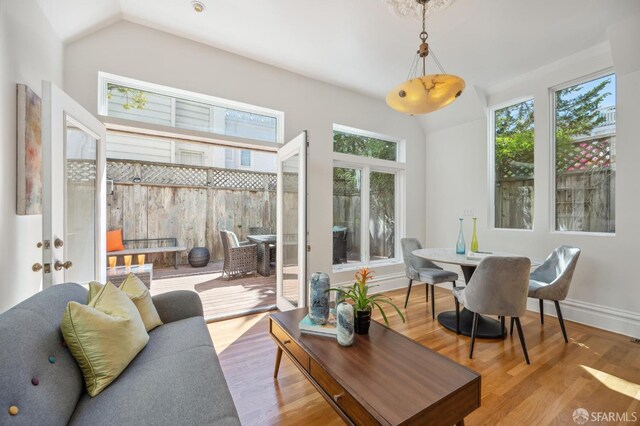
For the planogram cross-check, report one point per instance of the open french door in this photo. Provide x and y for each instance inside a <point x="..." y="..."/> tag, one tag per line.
<point x="74" y="186"/>
<point x="291" y="258"/>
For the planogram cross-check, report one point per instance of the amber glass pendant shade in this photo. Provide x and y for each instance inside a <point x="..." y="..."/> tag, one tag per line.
<point x="425" y="94"/>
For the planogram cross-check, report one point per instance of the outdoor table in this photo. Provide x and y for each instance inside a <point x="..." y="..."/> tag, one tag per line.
<point x="263" y="242"/>
<point x="488" y="328"/>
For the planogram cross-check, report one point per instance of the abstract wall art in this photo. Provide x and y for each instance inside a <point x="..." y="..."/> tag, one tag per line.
<point x="29" y="153"/>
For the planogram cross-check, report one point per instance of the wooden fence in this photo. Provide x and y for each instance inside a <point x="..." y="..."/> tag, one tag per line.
<point x="190" y="203"/>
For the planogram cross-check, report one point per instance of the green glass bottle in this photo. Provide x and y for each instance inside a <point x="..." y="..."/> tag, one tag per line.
<point x="474" y="237"/>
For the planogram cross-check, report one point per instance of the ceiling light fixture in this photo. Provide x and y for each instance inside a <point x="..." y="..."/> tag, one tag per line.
<point x="427" y="93"/>
<point x="404" y="8"/>
<point x="198" y="6"/>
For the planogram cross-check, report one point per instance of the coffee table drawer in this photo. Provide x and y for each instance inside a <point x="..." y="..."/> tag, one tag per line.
<point x="290" y="345"/>
<point x="344" y="400"/>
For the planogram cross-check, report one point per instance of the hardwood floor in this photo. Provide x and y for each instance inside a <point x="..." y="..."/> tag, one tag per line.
<point x="597" y="370"/>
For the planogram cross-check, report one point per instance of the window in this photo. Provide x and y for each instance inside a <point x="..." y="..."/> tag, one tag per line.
<point x="151" y="103"/>
<point x="585" y="131"/>
<point x="513" y="141"/>
<point x="190" y="157"/>
<point x="366" y="199"/>
<point x="245" y="158"/>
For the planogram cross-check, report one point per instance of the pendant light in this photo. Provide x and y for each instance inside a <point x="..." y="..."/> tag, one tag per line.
<point x="427" y="93"/>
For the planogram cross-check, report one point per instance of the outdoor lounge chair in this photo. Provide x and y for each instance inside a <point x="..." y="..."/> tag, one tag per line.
<point x="239" y="257"/>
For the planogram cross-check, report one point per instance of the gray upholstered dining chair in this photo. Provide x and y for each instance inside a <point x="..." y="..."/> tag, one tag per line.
<point x="551" y="280"/>
<point x="499" y="287"/>
<point x="423" y="270"/>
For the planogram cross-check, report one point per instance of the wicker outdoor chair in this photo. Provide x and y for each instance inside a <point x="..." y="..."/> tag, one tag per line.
<point x="263" y="230"/>
<point x="238" y="260"/>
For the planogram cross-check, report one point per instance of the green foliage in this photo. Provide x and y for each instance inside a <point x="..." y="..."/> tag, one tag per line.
<point x="363" y="146"/>
<point x="134" y="98"/>
<point x="514" y="138"/>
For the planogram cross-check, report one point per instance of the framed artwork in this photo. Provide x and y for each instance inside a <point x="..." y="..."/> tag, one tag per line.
<point x="29" y="166"/>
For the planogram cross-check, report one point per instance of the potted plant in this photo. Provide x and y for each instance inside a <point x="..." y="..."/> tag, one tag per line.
<point x="363" y="302"/>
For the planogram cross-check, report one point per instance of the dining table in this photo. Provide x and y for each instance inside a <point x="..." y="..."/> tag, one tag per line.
<point x="488" y="328"/>
<point x="264" y="243"/>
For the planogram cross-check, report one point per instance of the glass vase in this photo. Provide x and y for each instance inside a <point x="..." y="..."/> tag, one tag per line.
<point x="461" y="246"/>
<point x="345" y="324"/>
<point x="474" y="237"/>
<point x="319" y="297"/>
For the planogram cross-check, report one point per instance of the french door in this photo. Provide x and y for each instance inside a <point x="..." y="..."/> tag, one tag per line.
<point x="74" y="186"/>
<point x="291" y="243"/>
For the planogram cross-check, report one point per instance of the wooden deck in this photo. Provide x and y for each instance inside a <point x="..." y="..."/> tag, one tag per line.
<point x="221" y="298"/>
<point x="597" y="370"/>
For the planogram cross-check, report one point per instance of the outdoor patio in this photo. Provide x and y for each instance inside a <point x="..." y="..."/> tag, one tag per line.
<point x="221" y="298"/>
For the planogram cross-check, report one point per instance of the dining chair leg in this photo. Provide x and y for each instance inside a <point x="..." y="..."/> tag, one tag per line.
<point x="408" y="293"/>
<point x="511" y="331"/>
<point x="541" y="311"/>
<point x="433" y="301"/>
<point x="455" y="299"/>
<point x="426" y="292"/>
<point x="521" y="334"/>
<point x="564" y="331"/>
<point x="474" y="329"/>
<point x="503" y="328"/>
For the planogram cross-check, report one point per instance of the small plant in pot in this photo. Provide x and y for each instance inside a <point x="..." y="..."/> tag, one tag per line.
<point x="363" y="302"/>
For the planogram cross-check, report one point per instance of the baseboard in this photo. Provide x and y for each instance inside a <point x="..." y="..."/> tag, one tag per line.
<point x="599" y="316"/>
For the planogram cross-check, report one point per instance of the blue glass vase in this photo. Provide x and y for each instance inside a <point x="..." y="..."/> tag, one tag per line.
<point x="345" y="324"/>
<point x="319" y="297"/>
<point x="461" y="247"/>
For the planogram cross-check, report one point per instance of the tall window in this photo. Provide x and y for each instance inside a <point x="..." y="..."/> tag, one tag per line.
<point x="365" y="199"/>
<point x="151" y="103"/>
<point x="513" y="158"/>
<point x="585" y="131"/>
<point x="245" y="158"/>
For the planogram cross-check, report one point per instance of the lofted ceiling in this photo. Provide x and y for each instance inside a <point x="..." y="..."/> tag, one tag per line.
<point x="360" y="44"/>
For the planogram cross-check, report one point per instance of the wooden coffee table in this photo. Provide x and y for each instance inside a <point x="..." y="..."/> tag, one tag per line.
<point x="384" y="378"/>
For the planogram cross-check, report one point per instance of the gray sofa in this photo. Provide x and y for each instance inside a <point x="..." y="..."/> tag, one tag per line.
<point x="175" y="380"/>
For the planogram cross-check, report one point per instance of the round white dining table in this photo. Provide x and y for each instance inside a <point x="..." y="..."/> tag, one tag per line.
<point x="488" y="328"/>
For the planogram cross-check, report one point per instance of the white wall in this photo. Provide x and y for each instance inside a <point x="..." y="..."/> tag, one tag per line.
<point x="31" y="52"/>
<point x="605" y="290"/>
<point x="141" y="53"/>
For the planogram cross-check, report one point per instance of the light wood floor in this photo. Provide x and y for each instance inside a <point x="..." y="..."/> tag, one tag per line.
<point x="596" y="370"/>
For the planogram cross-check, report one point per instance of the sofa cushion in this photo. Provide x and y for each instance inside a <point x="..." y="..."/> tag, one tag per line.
<point x="32" y="348"/>
<point x="175" y="379"/>
<point x="139" y="295"/>
<point x="104" y="337"/>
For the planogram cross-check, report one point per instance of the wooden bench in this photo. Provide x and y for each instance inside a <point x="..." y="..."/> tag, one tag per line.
<point x="162" y="245"/>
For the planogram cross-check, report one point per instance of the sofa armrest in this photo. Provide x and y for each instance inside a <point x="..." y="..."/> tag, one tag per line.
<point x="177" y="305"/>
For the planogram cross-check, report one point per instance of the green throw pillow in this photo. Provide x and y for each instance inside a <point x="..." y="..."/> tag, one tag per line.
<point x="139" y="295"/>
<point x="103" y="336"/>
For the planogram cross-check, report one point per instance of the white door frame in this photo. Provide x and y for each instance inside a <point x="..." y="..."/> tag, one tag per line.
<point x="297" y="146"/>
<point x="57" y="108"/>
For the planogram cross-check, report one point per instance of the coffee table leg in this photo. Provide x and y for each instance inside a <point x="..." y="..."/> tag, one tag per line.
<point x="460" y="423"/>
<point x="278" y="359"/>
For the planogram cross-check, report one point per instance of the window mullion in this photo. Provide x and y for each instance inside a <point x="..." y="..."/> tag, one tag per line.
<point x="364" y="222"/>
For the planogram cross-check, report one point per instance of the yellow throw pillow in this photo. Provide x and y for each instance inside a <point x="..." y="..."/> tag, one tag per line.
<point x="103" y="336"/>
<point x="94" y="289"/>
<point x="140" y="296"/>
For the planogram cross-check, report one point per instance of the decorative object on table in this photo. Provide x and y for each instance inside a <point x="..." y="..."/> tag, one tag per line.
<point x="127" y="260"/>
<point x="112" y="261"/>
<point x="364" y="303"/>
<point x="461" y="246"/>
<point x="29" y="155"/>
<point x="141" y="259"/>
<point x="474" y="237"/>
<point x="307" y="325"/>
<point x="425" y="93"/>
<point x="319" y="285"/>
<point x="345" y="324"/>
<point x="199" y="257"/>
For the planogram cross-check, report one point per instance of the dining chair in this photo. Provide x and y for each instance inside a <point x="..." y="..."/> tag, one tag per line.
<point x="499" y="287"/>
<point x="423" y="270"/>
<point x="551" y="280"/>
